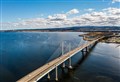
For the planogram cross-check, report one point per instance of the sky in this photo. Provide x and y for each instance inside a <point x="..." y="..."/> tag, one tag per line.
<point x="27" y="14"/>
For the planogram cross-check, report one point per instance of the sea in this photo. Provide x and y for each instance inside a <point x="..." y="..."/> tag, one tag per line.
<point x="23" y="52"/>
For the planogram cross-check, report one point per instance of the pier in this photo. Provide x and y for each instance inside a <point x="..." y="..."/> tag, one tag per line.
<point x="44" y="70"/>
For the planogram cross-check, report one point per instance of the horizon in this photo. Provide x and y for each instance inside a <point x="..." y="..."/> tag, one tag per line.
<point x="65" y="28"/>
<point x="31" y="14"/>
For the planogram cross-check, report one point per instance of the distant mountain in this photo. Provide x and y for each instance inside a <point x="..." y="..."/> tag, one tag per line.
<point x="73" y="29"/>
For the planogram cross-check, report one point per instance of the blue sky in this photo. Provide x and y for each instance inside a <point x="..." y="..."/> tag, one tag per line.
<point x="14" y="10"/>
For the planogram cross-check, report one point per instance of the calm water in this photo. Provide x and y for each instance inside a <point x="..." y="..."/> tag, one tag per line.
<point x="23" y="52"/>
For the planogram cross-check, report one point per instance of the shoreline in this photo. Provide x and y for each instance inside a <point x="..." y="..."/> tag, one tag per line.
<point x="110" y="37"/>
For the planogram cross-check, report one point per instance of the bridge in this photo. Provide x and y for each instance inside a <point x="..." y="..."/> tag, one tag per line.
<point x="39" y="73"/>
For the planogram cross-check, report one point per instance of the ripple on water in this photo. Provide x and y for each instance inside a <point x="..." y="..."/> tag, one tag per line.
<point x="102" y="79"/>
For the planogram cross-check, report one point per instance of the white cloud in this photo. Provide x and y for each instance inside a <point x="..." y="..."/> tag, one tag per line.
<point x="112" y="11"/>
<point x="73" y="11"/>
<point x="57" y="17"/>
<point x="89" y="10"/>
<point x="63" y="16"/>
<point x="109" y="16"/>
<point x="114" y="1"/>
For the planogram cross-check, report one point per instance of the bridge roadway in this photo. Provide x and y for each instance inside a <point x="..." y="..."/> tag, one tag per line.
<point x="45" y="69"/>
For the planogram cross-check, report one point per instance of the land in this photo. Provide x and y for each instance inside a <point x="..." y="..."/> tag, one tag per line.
<point x="112" y="40"/>
<point x="110" y="37"/>
<point x="71" y="29"/>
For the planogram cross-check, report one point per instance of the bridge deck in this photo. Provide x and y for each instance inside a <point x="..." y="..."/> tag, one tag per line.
<point x="42" y="71"/>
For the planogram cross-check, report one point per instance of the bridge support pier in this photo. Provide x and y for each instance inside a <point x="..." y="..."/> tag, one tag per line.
<point x="70" y="63"/>
<point x="48" y="76"/>
<point x="87" y="49"/>
<point x="56" y="73"/>
<point x="83" y="52"/>
<point x="63" y="65"/>
<point x="90" y="46"/>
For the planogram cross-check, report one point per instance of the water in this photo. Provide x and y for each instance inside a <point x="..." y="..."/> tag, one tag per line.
<point x="101" y="65"/>
<point x="23" y="52"/>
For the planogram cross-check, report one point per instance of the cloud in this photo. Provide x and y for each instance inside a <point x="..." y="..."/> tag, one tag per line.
<point x="114" y="1"/>
<point x="73" y="11"/>
<point x="112" y="11"/>
<point x="57" y="17"/>
<point x="89" y="10"/>
<point x="63" y="16"/>
<point x="106" y="17"/>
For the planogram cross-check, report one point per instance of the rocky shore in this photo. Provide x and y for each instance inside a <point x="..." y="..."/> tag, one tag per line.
<point x="109" y="37"/>
<point x="112" y="40"/>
